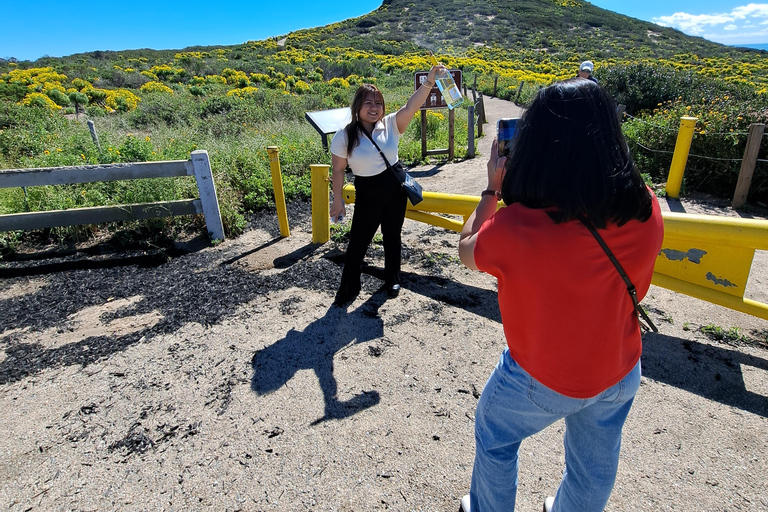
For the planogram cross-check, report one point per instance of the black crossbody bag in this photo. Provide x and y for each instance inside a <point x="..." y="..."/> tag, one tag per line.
<point x="641" y="316"/>
<point x="411" y="187"/>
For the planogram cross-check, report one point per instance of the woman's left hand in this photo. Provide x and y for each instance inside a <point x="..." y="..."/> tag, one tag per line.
<point x="433" y="72"/>
<point x="496" y="167"/>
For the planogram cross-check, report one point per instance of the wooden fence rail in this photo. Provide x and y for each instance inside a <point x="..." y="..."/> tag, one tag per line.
<point x="198" y="165"/>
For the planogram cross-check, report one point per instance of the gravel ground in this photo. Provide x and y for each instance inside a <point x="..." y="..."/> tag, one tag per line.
<point x="222" y="378"/>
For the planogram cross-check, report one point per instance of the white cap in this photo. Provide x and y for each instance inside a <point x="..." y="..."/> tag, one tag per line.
<point x="587" y="66"/>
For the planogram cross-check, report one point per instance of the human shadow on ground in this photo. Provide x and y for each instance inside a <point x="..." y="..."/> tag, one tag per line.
<point x="195" y="288"/>
<point x="314" y="348"/>
<point x="712" y="372"/>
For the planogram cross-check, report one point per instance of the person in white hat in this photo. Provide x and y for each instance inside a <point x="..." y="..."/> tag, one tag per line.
<point x="586" y="69"/>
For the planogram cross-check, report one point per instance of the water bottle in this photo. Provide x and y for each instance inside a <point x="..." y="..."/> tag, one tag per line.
<point x="451" y="93"/>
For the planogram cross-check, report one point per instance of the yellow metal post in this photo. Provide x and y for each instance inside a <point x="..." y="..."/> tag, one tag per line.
<point x="321" y="209"/>
<point x="277" y="185"/>
<point x="680" y="158"/>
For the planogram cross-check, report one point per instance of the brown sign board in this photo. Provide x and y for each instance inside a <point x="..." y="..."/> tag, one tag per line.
<point x="435" y="98"/>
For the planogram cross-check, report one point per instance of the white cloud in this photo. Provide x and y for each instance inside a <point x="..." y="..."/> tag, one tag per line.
<point x="722" y="27"/>
<point x="753" y="10"/>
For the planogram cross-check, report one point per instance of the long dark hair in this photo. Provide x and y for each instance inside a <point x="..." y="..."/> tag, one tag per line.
<point x="354" y="126"/>
<point x="571" y="156"/>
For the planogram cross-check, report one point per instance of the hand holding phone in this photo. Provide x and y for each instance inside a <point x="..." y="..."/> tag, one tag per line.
<point x="506" y="131"/>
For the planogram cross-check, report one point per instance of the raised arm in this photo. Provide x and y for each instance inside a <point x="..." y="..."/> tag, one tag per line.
<point x="484" y="210"/>
<point x="417" y="99"/>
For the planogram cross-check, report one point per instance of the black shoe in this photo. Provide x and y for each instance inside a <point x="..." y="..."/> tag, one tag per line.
<point x="393" y="291"/>
<point x="345" y="296"/>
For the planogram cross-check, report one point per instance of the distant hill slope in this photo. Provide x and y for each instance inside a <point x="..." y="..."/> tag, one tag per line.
<point x="553" y="26"/>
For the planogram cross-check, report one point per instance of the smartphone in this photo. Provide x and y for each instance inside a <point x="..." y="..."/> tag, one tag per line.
<point x="506" y="130"/>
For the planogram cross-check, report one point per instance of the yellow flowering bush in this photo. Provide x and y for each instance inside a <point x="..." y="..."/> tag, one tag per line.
<point x="259" y="78"/>
<point x="168" y="73"/>
<point x="120" y="99"/>
<point x="34" y="78"/>
<point x="38" y="99"/>
<point x="81" y="85"/>
<point x="236" y="77"/>
<point x="215" y="79"/>
<point x="156" y="87"/>
<point x="243" y="92"/>
<point x="301" y="87"/>
<point x="187" y="57"/>
<point x="338" y="83"/>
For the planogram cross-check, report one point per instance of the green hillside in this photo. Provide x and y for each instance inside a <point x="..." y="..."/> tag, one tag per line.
<point x="554" y="27"/>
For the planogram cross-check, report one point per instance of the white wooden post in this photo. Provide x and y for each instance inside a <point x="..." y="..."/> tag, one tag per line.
<point x="201" y="166"/>
<point x="94" y="136"/>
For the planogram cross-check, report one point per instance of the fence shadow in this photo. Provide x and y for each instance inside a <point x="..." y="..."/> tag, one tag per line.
<point x="314" y="349"/>
<point x="712" y="372"/>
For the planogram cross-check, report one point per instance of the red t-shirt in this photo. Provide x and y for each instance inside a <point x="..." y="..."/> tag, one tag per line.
<point x="567" y="316"/>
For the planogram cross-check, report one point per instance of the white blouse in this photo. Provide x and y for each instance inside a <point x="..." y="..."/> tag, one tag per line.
<point x="365" y="159"/>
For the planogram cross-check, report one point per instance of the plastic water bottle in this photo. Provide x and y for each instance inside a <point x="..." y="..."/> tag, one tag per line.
<point x="446" y="84"/>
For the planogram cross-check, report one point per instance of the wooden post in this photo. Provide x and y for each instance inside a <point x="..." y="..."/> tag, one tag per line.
<point x="748" y="164"/>
<point x="483" y="119"/>
<point x="620" y="112"/>
<point x="478" y="109"/>
<point x="94" y="136"/>
<point x="495" y="83"/>
<point x="474" y="95"/>
<point x="451" y="117"/>
<point x="519" y="90"/>
<point x="474" y="85"/>
<point x="423" y="134"/>
<point x="210" y="203"/>
<point x="471" y="131"/>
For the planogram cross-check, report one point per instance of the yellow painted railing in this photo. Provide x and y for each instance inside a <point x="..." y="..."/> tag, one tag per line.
<point x="703" y="256"/>
<point x="710" y="258"/>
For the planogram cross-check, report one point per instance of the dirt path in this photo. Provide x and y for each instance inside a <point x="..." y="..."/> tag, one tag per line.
<point x="223" y="379"/>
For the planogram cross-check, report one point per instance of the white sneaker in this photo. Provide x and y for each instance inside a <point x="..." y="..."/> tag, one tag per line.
<point x="464" y="507"/>
<point x="548" y="503"/>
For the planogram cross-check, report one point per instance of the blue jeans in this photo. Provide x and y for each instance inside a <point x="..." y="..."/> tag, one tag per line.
<point x="514" y="406"/>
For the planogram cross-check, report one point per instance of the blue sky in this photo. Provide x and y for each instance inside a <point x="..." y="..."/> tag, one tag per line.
<point x="32" y="29"/>
<point x="727" y="22"/>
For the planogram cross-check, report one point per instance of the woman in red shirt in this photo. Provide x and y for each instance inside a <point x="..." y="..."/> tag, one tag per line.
<point x="573" y="337"/>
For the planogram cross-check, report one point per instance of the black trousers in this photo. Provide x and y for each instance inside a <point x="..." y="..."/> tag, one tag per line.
<point x="379" y="201"/>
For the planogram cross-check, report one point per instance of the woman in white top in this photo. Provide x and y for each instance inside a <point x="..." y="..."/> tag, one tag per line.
<point x="379" y="197"/>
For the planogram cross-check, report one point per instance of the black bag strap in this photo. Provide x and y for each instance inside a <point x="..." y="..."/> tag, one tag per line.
<point x="630" y="287"/>
<point x="382" y="154"/>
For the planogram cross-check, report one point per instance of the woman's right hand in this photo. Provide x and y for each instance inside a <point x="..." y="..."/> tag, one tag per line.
<point x="496" y="167"/>
<point x="338" y="210"/>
